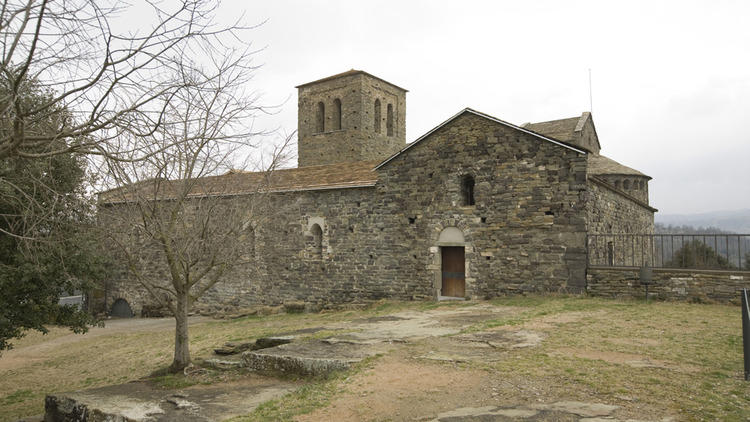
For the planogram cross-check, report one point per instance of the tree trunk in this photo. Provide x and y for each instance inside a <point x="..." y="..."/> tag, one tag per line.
<point x="181" y="345"/>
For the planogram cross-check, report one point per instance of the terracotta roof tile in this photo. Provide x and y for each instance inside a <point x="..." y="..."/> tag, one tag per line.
<point x="562" y="129"/>
<point x="599" y="164"/>
<point x="350" y="73"/>
<point x="333" y="176"/>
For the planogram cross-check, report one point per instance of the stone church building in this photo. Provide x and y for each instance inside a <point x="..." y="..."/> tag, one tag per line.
<point x="477" y="207"/>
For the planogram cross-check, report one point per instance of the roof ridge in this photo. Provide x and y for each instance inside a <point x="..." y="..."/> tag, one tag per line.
<point x="582" y="121"/>
<point x="350" y="72"/>
<point x="563" y="144"/>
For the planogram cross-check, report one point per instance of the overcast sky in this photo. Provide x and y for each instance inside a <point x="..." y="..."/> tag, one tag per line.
<point x="671" y="80"/>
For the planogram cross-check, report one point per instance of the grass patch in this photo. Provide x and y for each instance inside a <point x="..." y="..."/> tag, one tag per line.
<point x="700" y="344"/>
<point x="309" y="397"/>
<point x="173" y="381"/>
<point x="17" y="396"/>
<point x="303" y="400"/>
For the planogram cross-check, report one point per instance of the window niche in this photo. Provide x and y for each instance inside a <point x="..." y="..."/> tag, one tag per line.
<point x="320" y="118"/>
<point x="389" y="120"/>
<point x="467" y="190"/>
<point x="316" y="243"/>
<point x="336" y="114"/>
<point x="376" y="113"/>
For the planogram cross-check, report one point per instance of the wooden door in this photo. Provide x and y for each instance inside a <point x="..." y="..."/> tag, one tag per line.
<point x="454" y="280"/>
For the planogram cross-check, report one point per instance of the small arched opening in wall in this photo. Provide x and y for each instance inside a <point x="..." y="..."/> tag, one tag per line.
<point x="320" y="117"/>
<point x="467" y="190"/>
<point x="618" y="184"/>
<point x="452" y="275"/>
<point x="317" y="240"/>
<point x="376" y="123"/>
<point x="336" y="114"/>
<point x="389" y="120"/>
<point x="626" y="184"/>
<point x="248" y="240"/>
<point x="121" y="309"/>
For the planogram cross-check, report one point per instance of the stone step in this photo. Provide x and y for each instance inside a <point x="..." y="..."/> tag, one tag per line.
<point x="311" y="358"/>
<point x="224" y="364"/>
<point x="233" y="348"/>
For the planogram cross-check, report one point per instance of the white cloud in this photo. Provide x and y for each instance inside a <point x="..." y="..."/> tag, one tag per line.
<point x="671" y="93"/>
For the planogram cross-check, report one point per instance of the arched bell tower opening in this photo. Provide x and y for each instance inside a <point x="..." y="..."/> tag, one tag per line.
<point x="350" y="117"/>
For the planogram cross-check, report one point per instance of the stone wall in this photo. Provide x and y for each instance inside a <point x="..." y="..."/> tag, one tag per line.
<point x="357" y="140"/>
<point x="669" y="284"/>
<point x="610" y="211"/>
<point x="631" y="185"/>
<point x="526" y="231"/>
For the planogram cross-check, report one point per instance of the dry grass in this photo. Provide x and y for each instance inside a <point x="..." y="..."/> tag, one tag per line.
<point x="666" y="358"/>
<point x="593" y="350"/>
<point x="61" y="361"/>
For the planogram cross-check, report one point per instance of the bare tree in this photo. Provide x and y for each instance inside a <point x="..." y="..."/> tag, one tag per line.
<point x="114" y="81"/>
<point x="181" y="219"/>
<point x="89" y="80"/>
<point x="104" y="86"/>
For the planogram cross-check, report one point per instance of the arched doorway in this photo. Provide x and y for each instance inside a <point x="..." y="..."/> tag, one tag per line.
<point x="121" y="309"/>
<point x="452" y="262"/>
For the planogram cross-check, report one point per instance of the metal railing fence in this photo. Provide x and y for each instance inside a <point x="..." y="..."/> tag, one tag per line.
<point x="692" y="251"/>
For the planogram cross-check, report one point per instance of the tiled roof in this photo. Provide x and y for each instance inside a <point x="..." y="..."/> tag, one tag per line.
<point x="349" y="73"/>
<point x="332" y="176"/>
<point x="561" y="130"/>
<point x="561" y="143"/>
<point x="599" y="164"/>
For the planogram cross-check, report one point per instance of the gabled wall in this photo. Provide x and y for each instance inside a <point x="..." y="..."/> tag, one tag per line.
<point x="526" y="231"/>
<point x="588" y="138"/>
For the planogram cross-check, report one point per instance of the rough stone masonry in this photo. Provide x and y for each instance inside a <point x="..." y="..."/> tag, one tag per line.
<point x="366" y="216"/>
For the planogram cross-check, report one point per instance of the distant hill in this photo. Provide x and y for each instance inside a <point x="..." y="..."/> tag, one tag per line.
<point x="730" y="221"/>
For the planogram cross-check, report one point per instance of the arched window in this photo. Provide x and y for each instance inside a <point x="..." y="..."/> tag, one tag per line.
<point x="336" y="114"/>
<point x="250" y="242"/>
<point x="467" y="190"/>
<point x="320" y="118"/>
<point x="389" y="120"/>
<point x="376" y="125"/>
<point x="317" y="240"/>
<point x="643" y="185"/>
<point x="618" y="184"/>
<point x="626" y="184"/>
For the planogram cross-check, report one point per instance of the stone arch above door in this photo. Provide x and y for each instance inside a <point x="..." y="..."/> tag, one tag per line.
<point x="451" y="238"/>
<point x="452" y="227"/>
<point x="451" y="235"/>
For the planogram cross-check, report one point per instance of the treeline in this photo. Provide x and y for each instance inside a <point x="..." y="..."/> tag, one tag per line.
<point x="660" y="228"/>
<point x="702" y="247"/>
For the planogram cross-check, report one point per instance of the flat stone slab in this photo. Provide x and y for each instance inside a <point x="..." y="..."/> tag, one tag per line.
<point x="224" y="364"/>
<point x="504" y="339"/>
<point x="574" y="411"/>
<point x="413" y="325"/>
<point x="142" y="402"/>
<point x="311" y="358"/>
<point x="266" y="342"/>
<point x="559" y="411"/>
<point x="232" y="348"/>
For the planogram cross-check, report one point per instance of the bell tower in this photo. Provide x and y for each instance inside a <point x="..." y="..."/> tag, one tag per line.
<point x="349" y="117"/>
